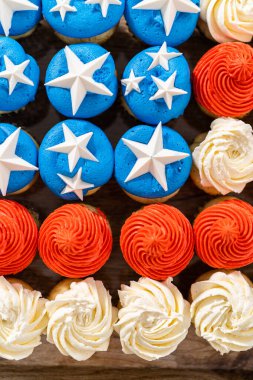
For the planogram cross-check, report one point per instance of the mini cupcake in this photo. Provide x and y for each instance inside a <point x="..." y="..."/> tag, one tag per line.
<point x="224" y="234"/>
<point x="23" y="319"/>
<point x="156" y="21"/>
<point x="18" y="18"/>
<point x="19" y="76"/>
<point x="223" y="158"/>
<point x="75" y="159"/>
<point x="81" y="81"/>
<point x="222" y="310"/>
<point x="153" y="320"/>
<point x="223" y="80"/>
<point x="86" y="21"/>
<point x="151" y="165"/>
<point x="75" y="240"/>
<point x="157" y="241"/>
<point x="81" y="318"/>
<point x="156" y="85"/>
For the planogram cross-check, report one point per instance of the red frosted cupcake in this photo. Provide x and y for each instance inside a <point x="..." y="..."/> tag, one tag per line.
<point x="223" y="80"/>
<point x="224" y="234"/>
<point x="157" y="241"/>
<point x="75" y="240"/>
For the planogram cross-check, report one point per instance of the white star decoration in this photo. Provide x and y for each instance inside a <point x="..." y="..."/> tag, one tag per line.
<point x="75" y="147"/>
<point x="79" y="78"/>
<point x="169" y="9"/>
<point x="9" y="161"/>
<point x="162" y="57"/>
<point x="132" y="83"/>
<point x="152" y="158"/>
<point x="104" y="4"/>
<point x="63" y="6"/>
<point x="166" y="89"/>
<point x="9" y="7"/>
<point x="75" y="185"/>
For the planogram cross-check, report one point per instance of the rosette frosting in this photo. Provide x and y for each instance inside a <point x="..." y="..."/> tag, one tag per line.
<point x="157" y="241"/>
<point x="222" y="311"/>
<point x="153" y="320"/>
<point x="75" y="240"/>
<point x="224" y="234"/>
<point x="223" y="80"/>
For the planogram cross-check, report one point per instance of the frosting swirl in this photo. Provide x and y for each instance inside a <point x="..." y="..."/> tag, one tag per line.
<point x="153" y="320"/>
<point x="18" y="237"/>
<point x="223" y="80"/>
<point x="22" y="320"/>
<point x="81" y="319"/>
<point x="75" y="240"/>
<point x="225" y="157"/>
<point x="157" y="241"/>
<point x="222" y="311"/>
<point x="224" y="234"/>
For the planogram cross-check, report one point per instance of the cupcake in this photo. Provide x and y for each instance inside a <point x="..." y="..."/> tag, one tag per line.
<point x="18" y="18"/>
<point x="86" y="21"/>
<point x="156" y="21"/>
<point x="19" y="76"/>
<point x="157" y="241"/>
<point x="224" y="234"/>
<point x="222" y="310"/>
<point x="81" y="318"/>
<point x="22" y="319"/>
<point x="223" y="80"/>
<point x="75" y="240"/>
<point x="156" y="85"/>
<point x="153" y="320"/>
<point x="151" y="165"/>
<point x="223" y="158"/>
<point x="75" y="159"/>
<point x="81" y="81"/>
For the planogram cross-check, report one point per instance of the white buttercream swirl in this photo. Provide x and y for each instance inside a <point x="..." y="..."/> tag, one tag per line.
<point x="225" y="158"/>
<point x="153" y="320"/>
<point x="81" y="319"/>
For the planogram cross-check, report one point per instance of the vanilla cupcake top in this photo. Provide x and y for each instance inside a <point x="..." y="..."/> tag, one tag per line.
<point x="222" y="311"/>
<point x="154" y="318"/>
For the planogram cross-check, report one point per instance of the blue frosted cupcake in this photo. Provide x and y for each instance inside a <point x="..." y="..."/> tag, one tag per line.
<point x="156" y="21"/>
<point x="75" y="159"/>
<point x="83" y="21"/>
<point x="18" y="18"/>
<point x="18" y="160"/>
<point x="151" y="165"/>
<point x="81" y="81"/>
<point x="19" y="76"/>
<point x="156" y="85"/>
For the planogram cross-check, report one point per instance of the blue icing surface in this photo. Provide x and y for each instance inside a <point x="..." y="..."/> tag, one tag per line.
<point x="86" y="22"/>
<point x="146" y="186"/>
<point x="149" y="27"/>
<point x="27" y="150"/>
<point x="93" y="104"/>
<point x="23" y="93"/>
<point x="154" y="111"/>
<point x="51" y="163"/>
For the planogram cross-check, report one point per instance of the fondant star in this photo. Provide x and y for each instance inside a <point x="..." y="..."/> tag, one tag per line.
<point x="79" y="78"/>
<point x="104" y="4"/>
<point x="169" y="9"/>
<point x="9" y="161"/>
<point x="9" y="7"/>
<point x="74" y="146"/>
<point x="166" y="89"/>
<point x="152" y="157"/>
<point x="63" y="6"/>
<point x="132" y="83"/>
<point x="15" y="73"/>
<point x="75" y="184"/>
<point x="162" y="57"/>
